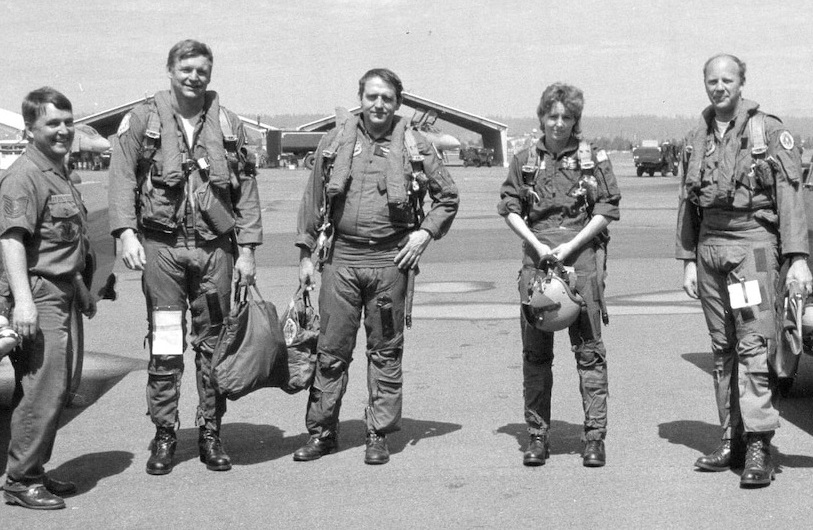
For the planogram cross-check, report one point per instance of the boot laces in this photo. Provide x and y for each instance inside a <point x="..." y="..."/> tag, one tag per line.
<point x="756" y="454"/>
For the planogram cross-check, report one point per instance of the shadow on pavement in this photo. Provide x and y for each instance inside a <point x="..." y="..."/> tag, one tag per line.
<point x="248" y="443"/>
<point x="794" y="408"/>
<point x="87" y="470"/>
<point x="102" y="372"/>
<point x="565" y="438"/>
<point x="697" y="435"/>
<point x="703" y="360"/>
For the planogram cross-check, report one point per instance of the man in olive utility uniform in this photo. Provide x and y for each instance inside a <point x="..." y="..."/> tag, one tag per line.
<point x="741" y="215"/>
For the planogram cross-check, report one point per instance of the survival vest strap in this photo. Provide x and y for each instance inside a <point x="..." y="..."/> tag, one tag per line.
<point x="416" y="188"/>
<point x="152" y="135"/>
<point x="758" y="140"/>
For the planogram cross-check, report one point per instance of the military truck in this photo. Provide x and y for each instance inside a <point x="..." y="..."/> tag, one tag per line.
<point x="651" y="156"/>
<point x="292" y="148"/>
<point x="477" y="156"/>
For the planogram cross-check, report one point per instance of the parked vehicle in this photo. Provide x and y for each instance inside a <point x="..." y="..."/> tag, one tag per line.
<point x="477" y="156"/>
<point x="650" y="157"/>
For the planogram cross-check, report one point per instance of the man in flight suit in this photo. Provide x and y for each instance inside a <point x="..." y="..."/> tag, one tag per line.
<point x="184" y="206"/>
<point x="741" y="215"/>
<point x="372" y="177"/>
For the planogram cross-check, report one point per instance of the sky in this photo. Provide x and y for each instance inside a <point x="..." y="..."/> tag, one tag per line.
<point x="491" y="58"/>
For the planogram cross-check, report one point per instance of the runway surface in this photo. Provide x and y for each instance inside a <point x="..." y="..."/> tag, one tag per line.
<point x="457" y="461"/>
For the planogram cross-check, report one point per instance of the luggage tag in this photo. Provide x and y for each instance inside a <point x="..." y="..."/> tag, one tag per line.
<point x="744" y="293"/>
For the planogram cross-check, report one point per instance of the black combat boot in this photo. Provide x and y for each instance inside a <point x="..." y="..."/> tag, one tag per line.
<point x="211" y="450"/>
<point x="376" y="451"/>
<point x="593" y="454"/>
<point x="537" y="451"/>
<point x="758" y="471"/>
<point x="316" y="448"/>
<point x="717" y="460"/>
<point x="162" y="449"/>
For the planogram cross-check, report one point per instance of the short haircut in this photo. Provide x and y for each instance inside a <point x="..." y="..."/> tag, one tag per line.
<point x="35" y="102"/>
<point x="740" y="64"/>
<point x="386" y="75"/>
<point x="571" y="97"/>
<point x="188" y="48"/>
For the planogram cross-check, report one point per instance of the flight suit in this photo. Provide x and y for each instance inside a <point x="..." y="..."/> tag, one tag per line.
<point x="39" y="199"/>
<point x="156" y="189"/>
<point x="556" y="218"/>
<point x="360" y="274"/>
<point x="740" y="214"/>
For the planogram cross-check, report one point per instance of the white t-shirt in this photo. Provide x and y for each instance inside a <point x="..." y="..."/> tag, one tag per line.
<point x="722" y="127"/>
<point x="189" y="128"/>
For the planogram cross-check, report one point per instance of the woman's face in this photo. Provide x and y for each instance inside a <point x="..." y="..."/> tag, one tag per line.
<point x="558" y="123"/>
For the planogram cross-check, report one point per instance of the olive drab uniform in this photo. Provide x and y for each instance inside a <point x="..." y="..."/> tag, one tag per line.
<point x="572" y="187"/>
<point x="39" y="199"/>
<point x="367" y="190"/>
<point x="740" y="213"/>
<point x="190" y="200"/>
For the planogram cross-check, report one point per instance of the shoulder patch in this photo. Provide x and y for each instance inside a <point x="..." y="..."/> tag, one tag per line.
<point x="124" y="126"/>
<point x="601" y="155"/>
<point x="786" y="140"/>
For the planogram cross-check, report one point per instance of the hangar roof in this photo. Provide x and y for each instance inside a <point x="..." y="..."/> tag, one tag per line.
<point x="107" y="121"/>
<point x="458" y="117"/>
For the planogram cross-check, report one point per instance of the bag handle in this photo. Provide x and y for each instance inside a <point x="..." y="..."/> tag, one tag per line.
<point x="241" y="293"/>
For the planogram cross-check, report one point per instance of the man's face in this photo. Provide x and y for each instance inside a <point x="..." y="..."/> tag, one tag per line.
<point x="723" y="85"/>
<point x="378" y="105"/>
<point x="189" y="77"/>
<point x="52" y="133"/>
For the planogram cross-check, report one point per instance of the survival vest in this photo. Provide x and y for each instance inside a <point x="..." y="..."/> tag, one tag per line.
<point x="587" y="188"/>
<point x="404" y="197"/>
<point x="151" y="143"/>
<point x="760" y="175"/>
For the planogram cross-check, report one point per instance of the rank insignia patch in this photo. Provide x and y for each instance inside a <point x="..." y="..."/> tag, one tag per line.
<point x="14" y="207"/>
<point x="786" y="139"/>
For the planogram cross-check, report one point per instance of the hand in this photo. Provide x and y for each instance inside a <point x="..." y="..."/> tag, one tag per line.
<point x="542" y="250"/>
<point x="410" y="255"/>
<point x="132" y="253"/>
<point x="690" y="279"/>
<point x="25" y="319"/>
<point x="306" y="273"/>
<point x="245" y="268"/>
<point x="563" y="251"/>
<point x="800" y="273"/>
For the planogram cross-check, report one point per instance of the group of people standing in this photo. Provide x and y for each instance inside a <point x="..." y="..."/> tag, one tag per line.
<point x="185" y="205"/>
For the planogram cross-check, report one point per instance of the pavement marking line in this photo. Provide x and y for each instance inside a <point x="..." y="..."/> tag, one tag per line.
<point x="485" y="311"/>
<point x="453" y="287"/>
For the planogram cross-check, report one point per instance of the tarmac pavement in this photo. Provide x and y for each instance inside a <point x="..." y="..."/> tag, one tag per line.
<point x="457" y="463"/>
